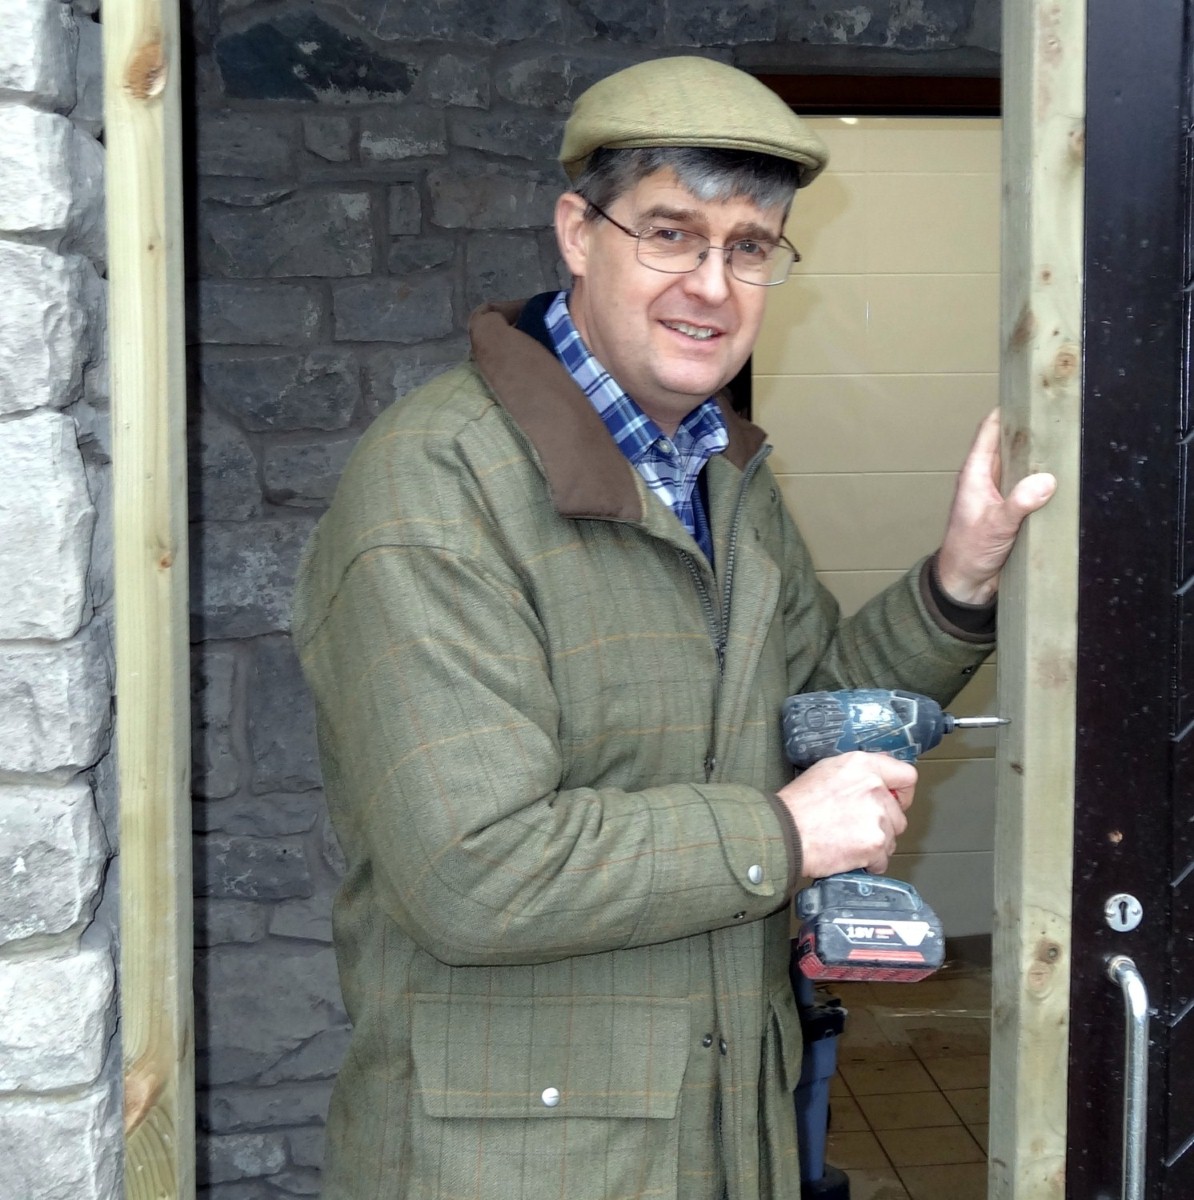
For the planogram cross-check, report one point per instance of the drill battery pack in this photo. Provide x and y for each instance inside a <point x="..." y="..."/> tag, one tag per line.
<point x="857" y="926"/>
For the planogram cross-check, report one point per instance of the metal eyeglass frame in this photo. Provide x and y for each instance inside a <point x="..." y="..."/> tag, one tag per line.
<point x="728" y="251"/>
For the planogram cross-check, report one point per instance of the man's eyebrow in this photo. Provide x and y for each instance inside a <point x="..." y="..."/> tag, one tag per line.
<point x="694" y="217"/>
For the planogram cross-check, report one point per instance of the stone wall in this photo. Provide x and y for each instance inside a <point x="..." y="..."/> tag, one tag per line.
<point x="60" y="1127"/>
<point x="365" y="172"/>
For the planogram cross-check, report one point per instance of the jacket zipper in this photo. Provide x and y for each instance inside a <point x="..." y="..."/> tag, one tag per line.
<point x="718" y="621"/>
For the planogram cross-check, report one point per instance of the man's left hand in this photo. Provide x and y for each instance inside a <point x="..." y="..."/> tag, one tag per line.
<point x="983" y="524"/>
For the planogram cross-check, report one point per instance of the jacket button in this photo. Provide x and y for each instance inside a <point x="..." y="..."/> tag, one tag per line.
<point x="755" y="873"/>
<point x="738" y="916"/>
<point x="707" y="1040"/>
<point x="550" y="1097"/>
<point x="721" y="1045"/>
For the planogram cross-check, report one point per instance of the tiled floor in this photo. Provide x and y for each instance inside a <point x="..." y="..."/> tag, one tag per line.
<point x="909" y="1101"/>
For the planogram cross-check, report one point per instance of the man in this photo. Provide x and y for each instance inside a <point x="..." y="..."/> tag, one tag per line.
<point x="549" y="621"/>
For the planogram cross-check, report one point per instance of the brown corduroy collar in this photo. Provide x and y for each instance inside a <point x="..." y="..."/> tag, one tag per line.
<point x="587" y="475"/>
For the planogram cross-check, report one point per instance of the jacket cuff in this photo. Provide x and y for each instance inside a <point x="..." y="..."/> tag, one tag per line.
<point x="967" y="622"/>
<point x="791" y="843"/>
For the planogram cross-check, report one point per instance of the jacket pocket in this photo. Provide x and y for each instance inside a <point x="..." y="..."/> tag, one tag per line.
<point x="783" y="1048"/>
<point x="547" y="1097"/>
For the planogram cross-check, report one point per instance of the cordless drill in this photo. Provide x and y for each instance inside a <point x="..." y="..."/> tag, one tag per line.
<point x="855" y="925"/>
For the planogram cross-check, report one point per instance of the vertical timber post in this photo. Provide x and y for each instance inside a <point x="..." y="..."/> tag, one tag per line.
<point x="1043" y="176"/>
<point x="143" y="135"/>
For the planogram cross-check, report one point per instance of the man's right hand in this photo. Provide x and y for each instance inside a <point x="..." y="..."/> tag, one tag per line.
<point x="849" y="811"/>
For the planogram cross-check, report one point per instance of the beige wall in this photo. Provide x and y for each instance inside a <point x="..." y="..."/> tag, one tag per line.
<point x="875" y="363"/>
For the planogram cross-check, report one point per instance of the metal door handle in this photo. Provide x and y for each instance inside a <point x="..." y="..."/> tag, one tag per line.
<point x="1122" y="970"/>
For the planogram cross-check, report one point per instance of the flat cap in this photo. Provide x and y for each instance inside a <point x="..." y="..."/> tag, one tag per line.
<point x="688" y="101"/>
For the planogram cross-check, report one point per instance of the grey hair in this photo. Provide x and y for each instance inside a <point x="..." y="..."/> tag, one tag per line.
<point x="711" y="175"/>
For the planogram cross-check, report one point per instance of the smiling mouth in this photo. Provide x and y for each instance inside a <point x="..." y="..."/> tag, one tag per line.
<point x="701" y="333"/>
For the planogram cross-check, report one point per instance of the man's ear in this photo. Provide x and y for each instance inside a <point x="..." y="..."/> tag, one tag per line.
<point x="572" y="232"/>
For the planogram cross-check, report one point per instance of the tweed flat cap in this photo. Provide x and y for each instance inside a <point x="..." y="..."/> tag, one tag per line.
<point x="688" y="101"/>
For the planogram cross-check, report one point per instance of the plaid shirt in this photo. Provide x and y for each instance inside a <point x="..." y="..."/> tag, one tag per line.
<point x="669" y="466"/>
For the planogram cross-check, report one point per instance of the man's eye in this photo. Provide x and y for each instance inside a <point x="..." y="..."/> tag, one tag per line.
<point x="751" y="249"/>
<point x="665" y="236"/>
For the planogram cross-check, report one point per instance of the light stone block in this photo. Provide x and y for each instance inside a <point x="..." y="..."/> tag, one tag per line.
<point x="46" y="334"/>
<point x="52" y="856"/>
<point x="59" y="1016"/>
<point x="62" y="1149"/>
<point x="88" y="112"/>
<point x="55" y="703"/>
<point x="46" y="522"/>
<point x="51" y="182"/>
<point x="38" y="40"/>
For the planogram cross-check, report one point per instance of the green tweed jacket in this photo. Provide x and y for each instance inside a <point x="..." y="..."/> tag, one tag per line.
<point x="550" y="740"/>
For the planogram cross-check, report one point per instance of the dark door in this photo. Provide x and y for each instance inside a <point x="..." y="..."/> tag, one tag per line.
<point x="1134" y="822"/>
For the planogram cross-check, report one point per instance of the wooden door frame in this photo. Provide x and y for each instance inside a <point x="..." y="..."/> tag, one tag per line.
<point x="143" y="138"/>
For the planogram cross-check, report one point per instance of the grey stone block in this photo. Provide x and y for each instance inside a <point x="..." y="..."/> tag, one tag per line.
<point x="238" y="1110"/>
<point x="459" y="80"/>
<point x="51" y="182"/>
<point x="215" y="765"/>
<point x="222" y="480"/>
<point x="408" y="254"/>
<point x="986" y="26"/>
<point x="305" y="474"/>
<point x="330" y="138"/>
<point x="310" y="919"/>
<point x="52" y="857"/>
<point x="275" y="815"/>
<point x="306" y="1146"/>
<point x="220" y="1158"/>
<point x="491" y="197"/>
<point x="476" y="21"/>
<point x="65" y="1148"/>
<point x="721" y="23"/>
<point x="391" y="374"/>
<point x="281" y="392"/>
<point x="282" y="742"/>
<point x="631" y="22"/>
<point x="405" y="209"/>
<point x="258" y="1004"/>
<point x="296" y="1183"/>
<point x="245" y="580"/>
<point x="59" y="1016"/>
<point x="257" y="314"/>
<point x="552" y="81"/>
<point x="532" y="136"/>
<point x="299" y="56"/>
<point x="88" y="111"/>
<point x="55" y="706"/>
<point x="317" y="233"/>
<point x="37" y="53"/>
<point x="412" y="131"/>
<point x="46" y="521"/>
<point x="46" y="337"/>
<point x="247" y="144"/>
<point x="219" y="922"/>
<point x="415" y="308"/>
<point x="320" y="1057"/>
<point x="243" y="868"/>
<point x="503" y="266"/>
<point x="891" y="24"/>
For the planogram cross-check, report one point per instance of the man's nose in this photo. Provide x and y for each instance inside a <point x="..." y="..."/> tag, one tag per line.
<point x="711" y="278"/>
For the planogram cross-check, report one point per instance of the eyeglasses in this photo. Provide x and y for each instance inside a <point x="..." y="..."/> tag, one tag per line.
<point x="678" y="251"/>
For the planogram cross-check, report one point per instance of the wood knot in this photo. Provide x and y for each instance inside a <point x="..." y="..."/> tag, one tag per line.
<point x="1115" y="837"/>
<point x="1025" y="328"/>
<point x="1065" y="362"/>
<point x="145" y="75"/>
<point x="166" y="561"/>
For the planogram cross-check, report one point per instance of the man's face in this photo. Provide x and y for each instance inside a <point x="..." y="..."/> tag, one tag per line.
<point x="669" y="341"/>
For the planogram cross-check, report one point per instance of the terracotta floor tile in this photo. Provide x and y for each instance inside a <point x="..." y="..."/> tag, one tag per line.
<point x="862" y="1149"/>
<point x="941" y="1036"/>
<point x="960" y="1181"/>
<point x="930" y="1147"/>
<point x="971" y="1104"/>
<point x="876" y="1185"/>
<point x="874" y="1079"/>
<point x="966" y="1071"/>
<point x="845" y="1116"/>
<point x="907" y="1110"/>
